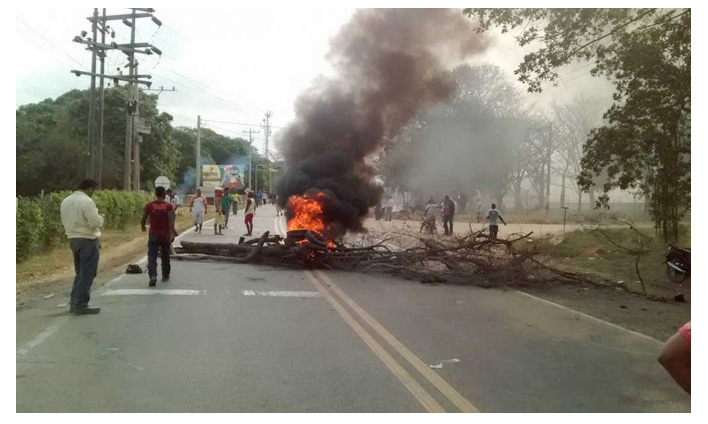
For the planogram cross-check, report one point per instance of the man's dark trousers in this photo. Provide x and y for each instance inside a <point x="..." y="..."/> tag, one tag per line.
<point x="156" y="243"/>
<point x="86" y="255"/>
<point x="447" y="224"/>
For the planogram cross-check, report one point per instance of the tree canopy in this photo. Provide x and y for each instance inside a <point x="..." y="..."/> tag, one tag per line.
<point x="646" y="53"/>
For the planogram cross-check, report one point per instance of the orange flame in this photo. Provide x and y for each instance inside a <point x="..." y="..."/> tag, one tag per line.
<point x="308" y="215"/>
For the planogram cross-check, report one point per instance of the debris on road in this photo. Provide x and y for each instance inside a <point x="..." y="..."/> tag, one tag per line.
<point x="49" y="296"/>
<point x="437" y="366"/>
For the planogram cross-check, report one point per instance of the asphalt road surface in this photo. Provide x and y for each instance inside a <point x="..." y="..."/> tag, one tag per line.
<point x="247" y="338"/>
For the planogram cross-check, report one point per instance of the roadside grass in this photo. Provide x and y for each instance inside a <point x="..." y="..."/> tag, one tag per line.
<point x="590" y="251"/>
<point x="118" y="246"/>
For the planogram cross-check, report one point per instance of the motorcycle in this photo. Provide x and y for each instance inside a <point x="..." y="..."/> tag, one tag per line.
<point x="678" y="263"/>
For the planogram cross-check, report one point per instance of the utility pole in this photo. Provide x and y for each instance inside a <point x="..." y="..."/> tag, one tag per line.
<point x="133" y="79"/>
<point x="90" y="145"/>
<point x="266" y="131"/>
<point x="99" y="158"/>
<point x="197" y="169"/>
<point x="250" y="157"/>
<point x="137" y="135"/>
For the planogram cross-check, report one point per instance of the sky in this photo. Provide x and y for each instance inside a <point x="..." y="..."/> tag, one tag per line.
<point x="227" y="63"/>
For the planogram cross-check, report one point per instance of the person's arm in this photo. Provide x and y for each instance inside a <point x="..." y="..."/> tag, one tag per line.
<point x="91" y="215"/>
<point x="676" y="359"/>
<point x="502" y="219"/>
<point x="146" y="212"/>
<point x="171" y="220"/>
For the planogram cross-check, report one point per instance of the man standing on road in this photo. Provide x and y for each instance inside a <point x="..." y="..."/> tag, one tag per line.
<point x="494" y="216"/>
<point x="198" y="209"/>
<point x="250" y="211"/>
<point x="479" y="211"/>
<point x="162" y="232"/>
<point x="389" y="208"/>
<point x="174" y="199"/>
<point x="448" y="213"/>
<point x="82" y="224"/>
<point x="226" y="206"/>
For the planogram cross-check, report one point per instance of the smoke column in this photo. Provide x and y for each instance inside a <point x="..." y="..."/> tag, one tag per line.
<point x="389" y="63"/>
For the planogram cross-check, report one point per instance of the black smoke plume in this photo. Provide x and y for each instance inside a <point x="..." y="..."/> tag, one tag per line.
<point x="389" y="63"/>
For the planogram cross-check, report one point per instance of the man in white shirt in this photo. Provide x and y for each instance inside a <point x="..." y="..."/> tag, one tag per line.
<point x="494" y="217"/>
<point x="82" y="224"/>
<point x="389" y="208"/>
<point x="173" y="198"/>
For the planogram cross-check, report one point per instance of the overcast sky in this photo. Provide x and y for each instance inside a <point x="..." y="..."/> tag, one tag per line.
<point x="227" y="63"/>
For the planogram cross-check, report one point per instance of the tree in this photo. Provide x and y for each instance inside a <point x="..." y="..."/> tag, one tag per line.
<point x="51" y="142"/>
<point x="646" y="53"/>
<point x="467" y="143"/>
<point x="574" y="121"/>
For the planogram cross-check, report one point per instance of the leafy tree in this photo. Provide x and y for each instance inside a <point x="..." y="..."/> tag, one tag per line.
<point x="646" y="53"/>
<point x="463" y="145"/>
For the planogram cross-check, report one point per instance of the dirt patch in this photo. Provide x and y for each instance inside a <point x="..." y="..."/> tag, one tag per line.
<point x="634" y="312"/>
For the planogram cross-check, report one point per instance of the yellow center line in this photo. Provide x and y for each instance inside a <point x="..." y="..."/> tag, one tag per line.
<point x="445" y="388"/>
<point x="416" y="389"/>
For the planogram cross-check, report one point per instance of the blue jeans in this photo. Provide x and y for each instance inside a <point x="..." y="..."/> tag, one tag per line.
<point x="155" y="243"/>
<point x="86" y="255"/>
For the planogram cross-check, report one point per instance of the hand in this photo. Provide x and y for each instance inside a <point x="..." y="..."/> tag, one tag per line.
<point x="143" y="228"/>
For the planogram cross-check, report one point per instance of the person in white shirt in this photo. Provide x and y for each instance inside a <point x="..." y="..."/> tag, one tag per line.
<point x="389" y="208"/>
<point x="82" y="224"/>
<point x="173" y="198"/>
<point x="494" y="217"/>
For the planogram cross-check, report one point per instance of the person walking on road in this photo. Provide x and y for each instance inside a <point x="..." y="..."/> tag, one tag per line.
<point x="198" y="207"/>
<point x="82" y="224"/>
<point x="494" y="217"/>
<point x="162" y="233"/>
<point x="429" y="216"/>
<point x="278" y="209"/>
<point x="389" y="208"/>
<point x="234" y="203"/>
<point x="676" y="357"/>
<point x="479" y="211"/>
<point x="226" y="206"/>
<point x="448" y="213"/>
<point x="173" y="198"/>
<point x="250" y="211"/>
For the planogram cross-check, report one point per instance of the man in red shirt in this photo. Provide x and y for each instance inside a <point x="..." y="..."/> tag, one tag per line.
<point x="162" y="233"/>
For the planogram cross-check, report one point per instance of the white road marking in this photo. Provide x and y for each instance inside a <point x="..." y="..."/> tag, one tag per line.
<point x="277" y="293"/>
<point x="44" y="335"/>
<point x="148" y="292"/>
<point x="590" y="317"/>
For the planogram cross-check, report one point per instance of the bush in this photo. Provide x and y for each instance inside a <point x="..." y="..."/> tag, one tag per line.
<point x="38" y="220"/>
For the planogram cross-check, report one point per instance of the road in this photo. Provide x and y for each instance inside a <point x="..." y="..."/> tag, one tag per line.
<point x="250" y="338"/>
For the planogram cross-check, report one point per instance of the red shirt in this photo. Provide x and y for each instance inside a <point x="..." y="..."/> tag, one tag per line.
<point x="686" y="332"/>
<point x="159" y="221"/>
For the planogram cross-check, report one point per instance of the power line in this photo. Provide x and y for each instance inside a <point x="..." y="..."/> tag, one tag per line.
<point x="240" y="123"/>
<point x="50" y="43"/>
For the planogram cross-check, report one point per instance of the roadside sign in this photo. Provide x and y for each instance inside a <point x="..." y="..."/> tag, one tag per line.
<point x="162" y="181"/>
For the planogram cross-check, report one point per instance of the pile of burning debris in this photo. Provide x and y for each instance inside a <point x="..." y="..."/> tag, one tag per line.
<point x="474" y="258"/>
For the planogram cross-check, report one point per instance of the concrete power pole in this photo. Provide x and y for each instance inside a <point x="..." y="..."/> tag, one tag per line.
<point x="99" y="156"/>
<point x="250" y="157"/>
<point x="132" y="79"/>
<point x="266" y="133"/>
<point x="90" y="144"/>
<point x="131" y="110"/>
<point x="197" y="168"/>
<point x="137" y="135"/>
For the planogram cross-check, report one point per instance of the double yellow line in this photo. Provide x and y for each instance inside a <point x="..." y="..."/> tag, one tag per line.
<point x="429" y="403"/>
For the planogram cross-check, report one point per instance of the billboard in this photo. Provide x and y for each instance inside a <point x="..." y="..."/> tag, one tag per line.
<point x="231" y="176"/>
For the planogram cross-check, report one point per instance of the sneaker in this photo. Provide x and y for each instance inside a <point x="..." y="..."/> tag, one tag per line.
<point x="85" y="311"/>
<point x="152" y="282"/>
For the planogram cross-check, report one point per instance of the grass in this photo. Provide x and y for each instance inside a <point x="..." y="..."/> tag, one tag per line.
<point x="590" y="251"/>
<point x="118" y="246"/>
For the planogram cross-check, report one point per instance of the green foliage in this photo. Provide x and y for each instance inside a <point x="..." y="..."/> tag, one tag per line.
<point x="38" y="220"/>
<point x="646" y="53"/>
<point x="51" y="142"/>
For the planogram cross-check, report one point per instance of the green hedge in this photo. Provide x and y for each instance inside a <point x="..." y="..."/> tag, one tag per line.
<point x="39" y="225"/>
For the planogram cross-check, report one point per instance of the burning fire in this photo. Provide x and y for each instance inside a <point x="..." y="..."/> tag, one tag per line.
<point x="307" y="214"/>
